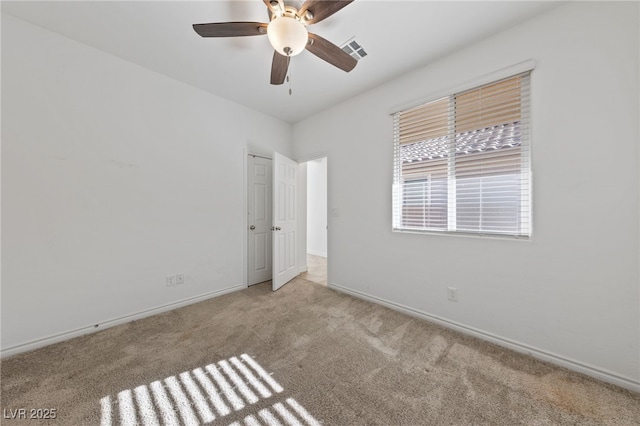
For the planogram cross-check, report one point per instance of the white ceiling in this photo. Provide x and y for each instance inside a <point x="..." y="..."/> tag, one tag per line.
<point x="398" y="36"/>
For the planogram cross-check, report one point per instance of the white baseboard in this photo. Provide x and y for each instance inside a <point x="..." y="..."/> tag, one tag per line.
<point x="302" y="269"/>
<point x="46" y="341"/>
<point x="317" y="253"/>
<point x="589" y="370"/>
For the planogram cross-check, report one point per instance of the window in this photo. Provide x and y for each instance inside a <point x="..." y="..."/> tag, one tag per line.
<point x="462" y="162"/>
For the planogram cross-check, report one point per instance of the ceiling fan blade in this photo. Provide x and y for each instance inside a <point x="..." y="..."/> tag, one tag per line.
<point x="321" y="9"/>
<point x="279" y="68"/>
<point x="230" y="29"/>
<point x="331" y="53"/>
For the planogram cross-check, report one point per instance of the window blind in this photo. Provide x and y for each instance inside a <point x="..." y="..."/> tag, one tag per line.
<point x="462" y="162"/>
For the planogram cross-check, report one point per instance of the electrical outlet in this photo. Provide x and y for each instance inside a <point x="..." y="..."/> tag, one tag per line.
<point x="452" y="294"/>
<point x="179" y="279"/>
<point x="171" y="280"/>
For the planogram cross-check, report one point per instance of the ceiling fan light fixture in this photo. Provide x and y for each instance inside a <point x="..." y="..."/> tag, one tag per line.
<point x="287" y="35"/>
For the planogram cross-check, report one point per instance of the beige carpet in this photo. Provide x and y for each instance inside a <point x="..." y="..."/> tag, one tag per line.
<point x="304" y="355"/>
<point x="316" y="269"/>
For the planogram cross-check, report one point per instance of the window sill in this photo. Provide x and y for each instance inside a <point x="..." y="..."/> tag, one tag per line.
<point x="464" y="234"/>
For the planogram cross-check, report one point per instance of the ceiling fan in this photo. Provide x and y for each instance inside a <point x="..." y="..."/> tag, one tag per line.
<point x="287" y="32"/>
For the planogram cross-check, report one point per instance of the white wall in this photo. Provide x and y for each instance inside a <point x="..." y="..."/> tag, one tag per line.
<point x="571" y="293"/>
<point x="317" y="207"/>
<point x="301" y="243"/>
<point x="113" y="177"/>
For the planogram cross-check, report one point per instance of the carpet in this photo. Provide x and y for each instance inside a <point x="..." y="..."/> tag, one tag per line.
<point x="304" y="355"/>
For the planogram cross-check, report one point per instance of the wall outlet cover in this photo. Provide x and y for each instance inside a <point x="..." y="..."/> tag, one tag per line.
<point x="452" y="294"/>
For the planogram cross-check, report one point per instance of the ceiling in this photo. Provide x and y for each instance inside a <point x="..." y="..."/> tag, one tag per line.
<point x="398" y="36"/>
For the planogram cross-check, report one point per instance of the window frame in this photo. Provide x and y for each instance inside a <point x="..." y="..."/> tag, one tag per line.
<point x="525" y="173"/>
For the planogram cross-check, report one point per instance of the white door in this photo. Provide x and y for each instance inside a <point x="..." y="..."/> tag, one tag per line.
<point x="285" y="176"/>
<point x="259" y="203"/>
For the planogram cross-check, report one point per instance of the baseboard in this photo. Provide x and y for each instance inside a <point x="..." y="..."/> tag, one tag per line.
<point x="317" y="253"/>
<point x="595" y="372"/>
<point x="46" y="341"/>
<point x="302" y="269"/>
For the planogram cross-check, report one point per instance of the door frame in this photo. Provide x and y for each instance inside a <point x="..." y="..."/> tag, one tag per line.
<point x="305" y="159"/>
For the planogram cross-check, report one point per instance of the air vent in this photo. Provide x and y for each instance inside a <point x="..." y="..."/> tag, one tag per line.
<point x="354" y="49"/>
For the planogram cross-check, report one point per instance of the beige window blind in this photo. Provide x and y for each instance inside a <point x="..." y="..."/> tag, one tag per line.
<point x="462" y="162"/>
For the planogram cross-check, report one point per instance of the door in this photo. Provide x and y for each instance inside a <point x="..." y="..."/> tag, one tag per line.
<point x="259" y="211"/>
<point x="285" y="176"/>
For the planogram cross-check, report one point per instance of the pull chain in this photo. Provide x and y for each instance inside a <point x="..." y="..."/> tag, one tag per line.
<point x="289" y="77"/>
<point x="287" y="51"/>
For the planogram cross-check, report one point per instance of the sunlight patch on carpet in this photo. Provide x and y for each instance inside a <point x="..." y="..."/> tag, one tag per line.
<point x="205" y="395"/>
<point x="279" y="414"/>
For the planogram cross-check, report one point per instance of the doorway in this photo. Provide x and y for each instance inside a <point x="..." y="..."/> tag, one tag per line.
<point x="317" y="224"/>
<point x="272" y="220"/>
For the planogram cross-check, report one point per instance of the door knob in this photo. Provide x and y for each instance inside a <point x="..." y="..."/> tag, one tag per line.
<point x="252" y="227"/>
<point x="275" y="228"/>
<point x="278" y="228"/>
